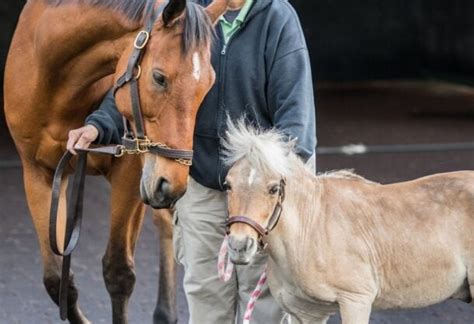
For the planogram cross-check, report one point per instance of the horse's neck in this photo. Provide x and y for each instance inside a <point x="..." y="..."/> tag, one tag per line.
<point x="78" y="59"/>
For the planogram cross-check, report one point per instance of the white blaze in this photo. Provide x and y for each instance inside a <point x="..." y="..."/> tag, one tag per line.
<point x="196" y="66"/>
<point x="252" y="176"/>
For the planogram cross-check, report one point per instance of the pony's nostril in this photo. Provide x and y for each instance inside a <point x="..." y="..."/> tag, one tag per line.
<point x="240" y="245"/>
<point x="250" y="243"/>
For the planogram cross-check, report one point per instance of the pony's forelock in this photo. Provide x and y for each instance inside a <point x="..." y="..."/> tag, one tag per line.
<point x="268" y="151"/>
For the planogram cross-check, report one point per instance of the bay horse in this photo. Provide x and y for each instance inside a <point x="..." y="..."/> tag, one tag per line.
<point x="64" y="57"/>
<point x="340" y="242"/>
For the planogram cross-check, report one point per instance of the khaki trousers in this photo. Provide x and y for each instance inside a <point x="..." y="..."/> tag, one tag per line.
<point x="198" y="234"/>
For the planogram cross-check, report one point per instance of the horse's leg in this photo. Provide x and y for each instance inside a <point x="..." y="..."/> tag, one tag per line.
<point x="165" y="310"/>
<point x="127" y="212"/>
<point x="38" y="193"/>
<point x="355" y="312"/>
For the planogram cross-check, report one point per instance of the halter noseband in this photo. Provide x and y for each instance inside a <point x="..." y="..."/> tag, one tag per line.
<point x="272" y="223"/>
<point x="139" y="143"/>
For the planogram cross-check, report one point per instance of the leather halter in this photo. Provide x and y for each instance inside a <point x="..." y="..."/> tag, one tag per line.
<point x="139" y="143"/>
<point x="272" y="223"/>
<point x="131" y="144"/>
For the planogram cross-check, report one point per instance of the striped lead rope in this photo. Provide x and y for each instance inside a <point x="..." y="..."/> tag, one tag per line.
<point x="225" y="268"/>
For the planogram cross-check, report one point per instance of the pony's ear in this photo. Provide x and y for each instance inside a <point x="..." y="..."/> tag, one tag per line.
<point x="173" y="10"/>
<point x="216" y="9"/>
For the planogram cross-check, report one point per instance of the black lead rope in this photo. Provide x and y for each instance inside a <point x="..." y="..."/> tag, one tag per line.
<point x="73" y="221"/>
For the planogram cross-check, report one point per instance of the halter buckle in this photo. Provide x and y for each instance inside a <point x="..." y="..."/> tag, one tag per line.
<point x="141" y="40"/>
<point x="143" y="145"/>
<point x="139" y="72"/>
<point x="133" y="146"/>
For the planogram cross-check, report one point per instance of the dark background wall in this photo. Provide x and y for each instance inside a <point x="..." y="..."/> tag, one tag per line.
<point x="367" y="39"/>
<point x="372" y="39"/>
<point x="9" y="11"/>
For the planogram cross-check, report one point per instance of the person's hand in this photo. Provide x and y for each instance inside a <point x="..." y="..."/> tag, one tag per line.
<point x="81" y="138"/>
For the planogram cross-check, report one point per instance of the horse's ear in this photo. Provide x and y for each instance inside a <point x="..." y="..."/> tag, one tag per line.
<point x="173" y="10"/>
<point x="216" y="9"/>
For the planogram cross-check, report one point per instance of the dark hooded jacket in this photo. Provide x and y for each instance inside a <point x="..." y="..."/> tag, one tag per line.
<point x="262" y="73"/>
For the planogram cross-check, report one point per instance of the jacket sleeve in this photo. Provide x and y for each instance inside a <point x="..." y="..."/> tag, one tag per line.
<point x="290" y="98"/>
<point x="108" y="121"/>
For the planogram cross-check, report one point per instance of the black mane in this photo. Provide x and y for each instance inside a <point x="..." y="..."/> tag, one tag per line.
<point x="198" y="29"/>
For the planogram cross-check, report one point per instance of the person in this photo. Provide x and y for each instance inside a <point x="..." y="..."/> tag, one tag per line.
<point x="263" y="72"/>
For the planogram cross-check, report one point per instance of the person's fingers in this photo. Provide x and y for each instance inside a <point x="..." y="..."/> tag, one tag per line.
<point x="72" y="139"/>
<point x="83" y="142"/>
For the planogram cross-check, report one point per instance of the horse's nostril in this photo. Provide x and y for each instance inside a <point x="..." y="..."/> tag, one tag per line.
<point x="163" y="187"/>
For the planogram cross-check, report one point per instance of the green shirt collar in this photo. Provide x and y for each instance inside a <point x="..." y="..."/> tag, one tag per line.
<point x="244" y="11"/>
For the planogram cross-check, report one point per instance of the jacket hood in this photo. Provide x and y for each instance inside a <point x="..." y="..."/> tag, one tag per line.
<point x="257" y="7"/>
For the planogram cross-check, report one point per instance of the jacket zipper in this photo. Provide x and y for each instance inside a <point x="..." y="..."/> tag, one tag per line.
<point x="222" y="66"/>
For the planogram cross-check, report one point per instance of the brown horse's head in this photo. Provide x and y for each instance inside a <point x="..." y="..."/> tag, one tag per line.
<point x="176" y="74"/>
<point x="255" y="186"/>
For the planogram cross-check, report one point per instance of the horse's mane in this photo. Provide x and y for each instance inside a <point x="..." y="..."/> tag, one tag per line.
<point x="268" y="151"/>
<point x="198" y="28"/>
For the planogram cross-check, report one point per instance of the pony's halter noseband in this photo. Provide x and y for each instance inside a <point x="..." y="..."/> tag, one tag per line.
<point x="139" y="143"/>
<point x="272" y="223"/>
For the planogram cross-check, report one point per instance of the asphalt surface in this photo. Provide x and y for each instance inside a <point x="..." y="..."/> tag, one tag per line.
<point x="378" y="116"/>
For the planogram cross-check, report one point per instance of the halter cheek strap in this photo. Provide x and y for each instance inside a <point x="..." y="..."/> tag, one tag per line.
<point x="272" y="223"/>
<point x="139" y="143"/>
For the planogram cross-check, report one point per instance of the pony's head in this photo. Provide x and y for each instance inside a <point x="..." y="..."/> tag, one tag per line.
<point x="175" y="75"/>
<point x="261" y="161"/>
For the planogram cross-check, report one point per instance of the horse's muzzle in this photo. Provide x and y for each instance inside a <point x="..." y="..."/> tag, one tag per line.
<point x="161" y="197"/>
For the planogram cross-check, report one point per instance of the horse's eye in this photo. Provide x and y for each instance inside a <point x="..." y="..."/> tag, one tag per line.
<point x="274" y="190"/>
<point x="227" y="186"/>
<point x="159" y="79"/>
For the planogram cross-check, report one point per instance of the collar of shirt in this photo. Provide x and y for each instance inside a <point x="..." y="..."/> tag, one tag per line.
<point x="229" y="28"/>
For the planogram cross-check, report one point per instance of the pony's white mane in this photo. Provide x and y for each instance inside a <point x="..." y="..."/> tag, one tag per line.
<point x="347" y="174"/>
<point x="269" y="151"/>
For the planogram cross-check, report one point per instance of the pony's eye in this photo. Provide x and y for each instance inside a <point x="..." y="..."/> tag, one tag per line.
<point x="274" y="190"/>
<point x="159" y="79"/>
<point x="227" y="186"/>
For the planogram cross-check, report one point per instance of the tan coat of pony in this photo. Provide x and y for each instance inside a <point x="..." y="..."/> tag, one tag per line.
<point x="345" y="243"/>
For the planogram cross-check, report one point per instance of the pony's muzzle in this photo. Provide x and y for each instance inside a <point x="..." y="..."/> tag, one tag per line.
<point x="242" y="250"/>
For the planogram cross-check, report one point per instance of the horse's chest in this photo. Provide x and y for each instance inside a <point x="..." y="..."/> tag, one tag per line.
<point x="296" y="302"/>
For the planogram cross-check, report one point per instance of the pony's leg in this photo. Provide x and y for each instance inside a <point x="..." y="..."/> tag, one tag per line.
<point x="355" y="312"/>
<point x="127" y="212"/>
<point x="165" y="310"/>
<point x="38" y="193"/>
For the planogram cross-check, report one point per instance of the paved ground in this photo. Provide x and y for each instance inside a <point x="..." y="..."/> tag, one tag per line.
<point x="380" y="117"/>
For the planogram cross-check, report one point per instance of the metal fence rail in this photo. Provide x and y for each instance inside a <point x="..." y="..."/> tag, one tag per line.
<point x="358" y="149"/>
<point x="351" y="149"/>
<point x="10" y="164"/>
